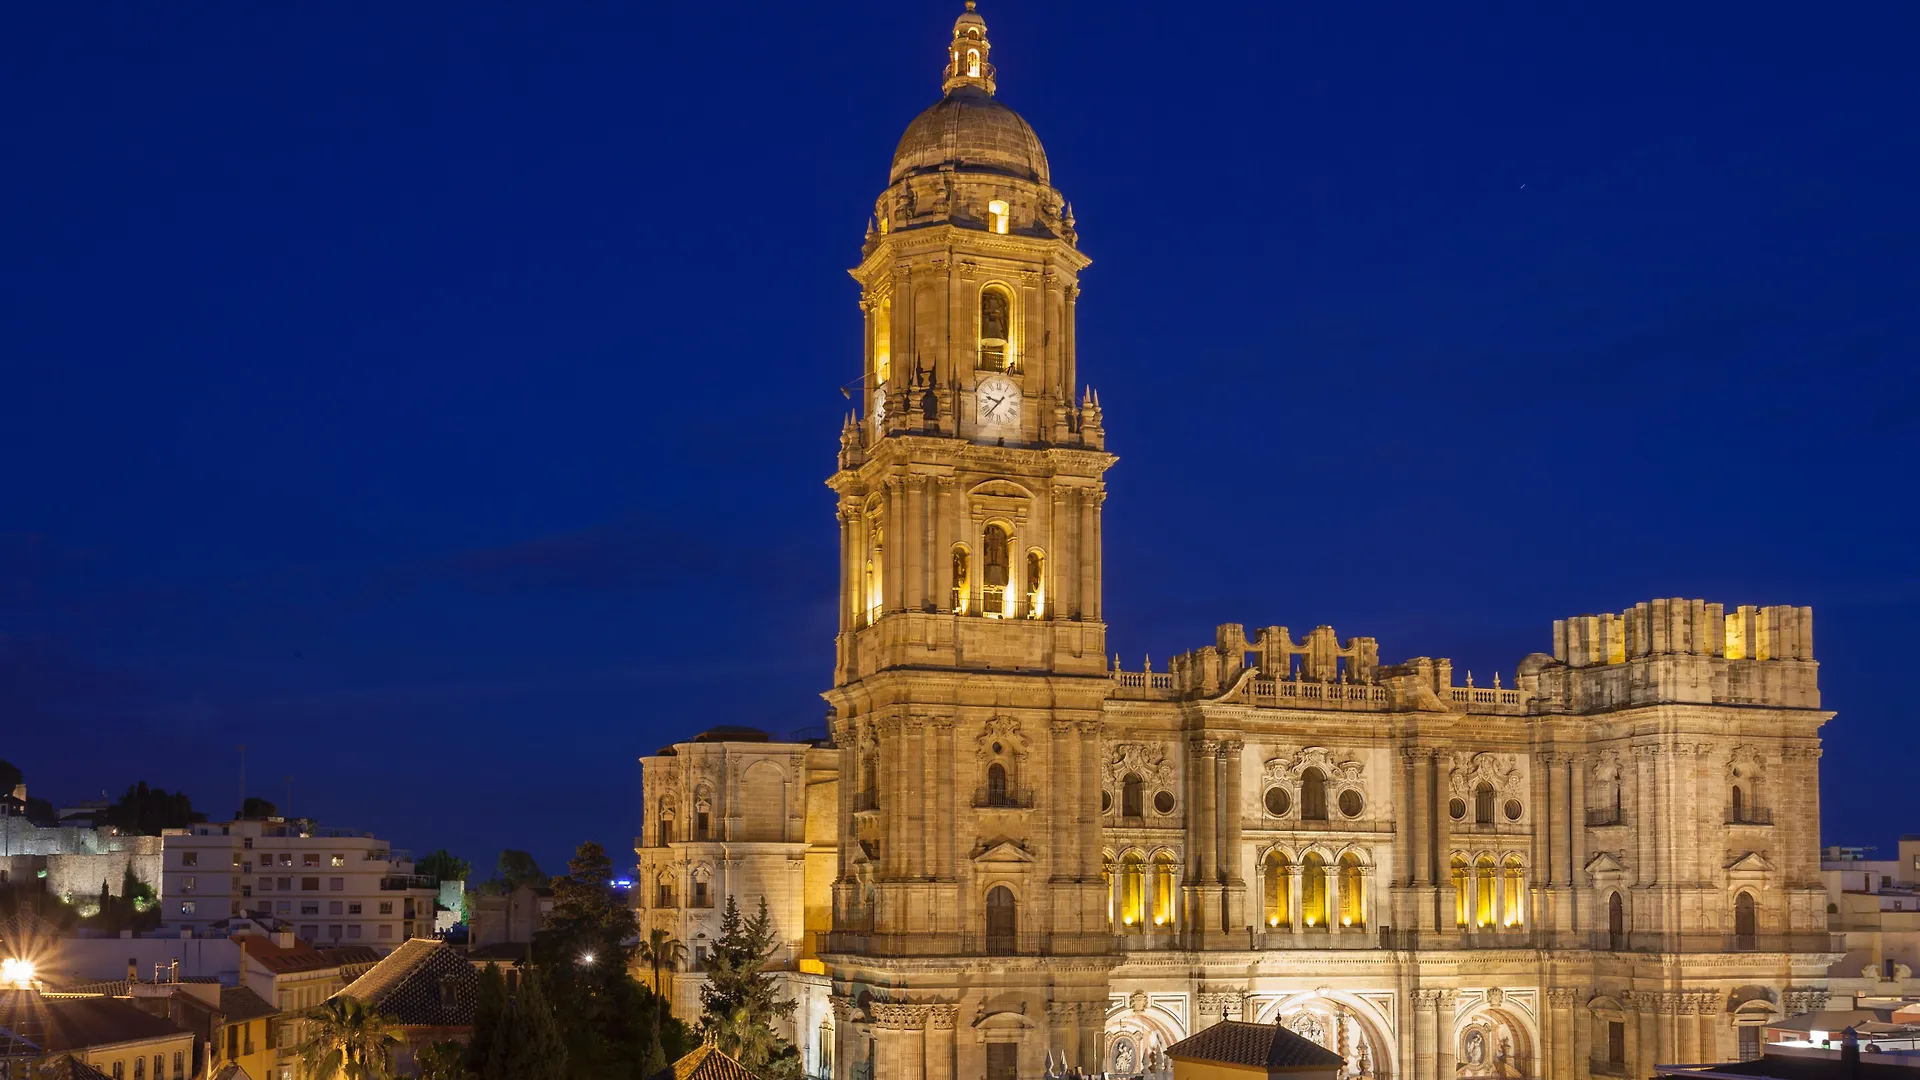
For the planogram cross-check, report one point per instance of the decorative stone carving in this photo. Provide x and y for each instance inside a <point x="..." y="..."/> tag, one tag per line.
<point x="1004" y="730"/>
<point x="1287" y="769"/>
<point x="1145" y="760"/>
<point x="1499" y="770"/>
<point x="1137" y="1001"/>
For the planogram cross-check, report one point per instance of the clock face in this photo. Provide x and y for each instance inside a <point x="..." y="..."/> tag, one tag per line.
<point x="997" y="402"/>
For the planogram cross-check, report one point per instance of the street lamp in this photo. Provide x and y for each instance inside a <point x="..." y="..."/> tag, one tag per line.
<point x="16" y="973"/>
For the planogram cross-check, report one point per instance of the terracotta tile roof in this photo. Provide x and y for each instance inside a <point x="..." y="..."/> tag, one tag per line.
<point x="240" y="1004"/>
<point x="1268" y="1046"/>
<point x="422" y="983"/>
<point x="706" y="1063"/>
<point x="58" y="1024"/>
<point x="349" y="955"/>
<point x="285" y="960"/>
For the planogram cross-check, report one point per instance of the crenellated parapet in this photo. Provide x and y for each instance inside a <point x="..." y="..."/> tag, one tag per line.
<point x="1678" y="651"/>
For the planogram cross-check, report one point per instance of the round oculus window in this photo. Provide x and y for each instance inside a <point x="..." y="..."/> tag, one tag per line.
<point x="1513" y="809"/>
<point x="1163" y="802"/>
<point x="996" y="748"/>
<point x="1278" y="801"/>
<point x="1350" y="803"/>
<point x="1457" y="809"/>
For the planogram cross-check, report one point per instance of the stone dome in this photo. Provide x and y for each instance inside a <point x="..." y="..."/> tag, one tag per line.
<point x="973" y="132"/>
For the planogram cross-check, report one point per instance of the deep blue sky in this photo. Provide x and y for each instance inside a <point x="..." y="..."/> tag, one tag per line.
<point x="436" y="397"/>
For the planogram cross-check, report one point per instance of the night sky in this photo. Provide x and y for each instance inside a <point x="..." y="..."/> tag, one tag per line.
<point x="436" y="398"/>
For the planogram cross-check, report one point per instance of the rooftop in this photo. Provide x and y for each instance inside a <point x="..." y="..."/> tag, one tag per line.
<point x="424" y="983"/>
<point x="57" y="1024"/>
<point x="706" y="1063"/>
<point x="286" y="959"/>
<point x="1268" y="1046"/>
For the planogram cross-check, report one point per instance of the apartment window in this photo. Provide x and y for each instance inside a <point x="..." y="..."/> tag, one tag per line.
<point x="309" y="907"/>
<point x="189" y="858"/>
<point x="286" y="884"/>
<point x="246" y="890"/>
<point x="233" y="1042"/>
<point x="188" y="907"/>
<point x="236" y="881"/>
<point x="334" y="932"/>
<point x="188" y="884"/>
<point x="1886" y="881"/>
<point x="386" y="907"/>
<point x="353" y="931"/>
<point x="338" y="860"/>
<point x="119" y="1071"/>
<point x="353" y="908"/>
<point x="236" y="858"/>
<point x="266" y="884"/>
<point x="179" y="1065"/>
<point x="309" y="884"/>
<point x="286" y="858"/>
<point x="386" y="932"/>
<point x="310" y="931"/>
<point x="335" y="907"/>
<point x="247" y="842"/>
<point x="160" y="1068"/>
<point x="310" y="859"/>
<point x="336" y="884"/>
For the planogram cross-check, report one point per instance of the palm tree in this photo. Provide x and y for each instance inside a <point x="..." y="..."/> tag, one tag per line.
<point x="662" y="950"/>
<point x="346" y="1040"/>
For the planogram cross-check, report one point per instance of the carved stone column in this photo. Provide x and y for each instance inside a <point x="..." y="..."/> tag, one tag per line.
<point x="1425" y="1049"/>
<point x="1446" y="1039"/>
<point x="1293" y="900"/>
<point x="1438" y="843"/>
<point x="940" y="1021"/>
<point x="1559" y="1029"/>
<point x="1231" y="858"/>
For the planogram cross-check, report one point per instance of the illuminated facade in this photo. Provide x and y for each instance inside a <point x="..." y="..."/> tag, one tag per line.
<point x="1042" y="860"/>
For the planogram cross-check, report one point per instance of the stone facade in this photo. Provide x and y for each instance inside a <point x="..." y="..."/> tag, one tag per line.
<point x="1041" y="860"/>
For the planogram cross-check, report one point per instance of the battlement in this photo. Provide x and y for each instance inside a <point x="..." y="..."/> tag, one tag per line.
<point x="1678" y="651"/>
<point x="1677" y="627"/>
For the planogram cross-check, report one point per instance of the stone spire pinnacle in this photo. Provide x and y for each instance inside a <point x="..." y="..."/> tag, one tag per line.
<point x="967" y="57"/>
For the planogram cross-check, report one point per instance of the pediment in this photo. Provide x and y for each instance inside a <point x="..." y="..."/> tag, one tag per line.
<point x="1003" y="853"/>
<point x="1605" y="863"/>
<point x="1000" y="488"/>
<point x="1751" y="863"/>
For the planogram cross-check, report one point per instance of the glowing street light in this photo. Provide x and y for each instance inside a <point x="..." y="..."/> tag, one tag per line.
<point x="586" y="959"/>
<point x="17" y="973"/>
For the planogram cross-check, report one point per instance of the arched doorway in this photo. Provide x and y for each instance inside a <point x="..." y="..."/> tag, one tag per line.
<point x="1745" y="921"/>
<point x="1003" y="936"/>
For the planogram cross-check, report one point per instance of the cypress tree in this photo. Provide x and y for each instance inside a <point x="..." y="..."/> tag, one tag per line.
<point x="489" y="1017"/>
<point x="537" y="1052"/>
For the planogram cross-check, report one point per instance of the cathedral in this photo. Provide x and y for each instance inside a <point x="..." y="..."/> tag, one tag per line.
<point x="1009" y="857"/>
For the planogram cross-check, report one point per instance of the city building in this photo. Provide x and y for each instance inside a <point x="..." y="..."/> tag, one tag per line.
<point x="426" y="990"/>
<point x="112" y="1035"/>
<point x="1874" y="906"/>
<point x="504" y="923"/>
<point x="1606" y="859"/>
<point x="333" y="885"/>
<point x="74" y="859"/>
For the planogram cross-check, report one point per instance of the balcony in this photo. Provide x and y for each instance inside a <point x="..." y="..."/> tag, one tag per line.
<point x="1751" y="815"/>
<point x="864" y="801"/>
<point x="403" y="882"/>
<point x="1644" y="941"/>
<point x="1608" y="815"/>
<point x="986" y="799"/>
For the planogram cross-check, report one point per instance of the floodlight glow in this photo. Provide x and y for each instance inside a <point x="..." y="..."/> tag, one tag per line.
<point x="16" y="972"/>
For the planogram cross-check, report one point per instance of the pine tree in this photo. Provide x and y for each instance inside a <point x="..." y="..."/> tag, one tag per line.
<point x="537" y="1052"/>
<point x="489" y="1018"/>
<point x="741" y="1001"/>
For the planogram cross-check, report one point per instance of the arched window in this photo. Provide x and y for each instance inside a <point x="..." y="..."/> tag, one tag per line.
<point x="993" y="558"/>
<point x="1313" y="795"/>
<point x="876" y="558"/>
<point x="996" y="321"/>
<point x="1745" y="921"/>
<point x="1277" y="877"/>
<point x="962" y="579"/>
<point x="1484" y="882"/>
<point x="1353" y="897"/>
<point x="1462" y="892"/>
<point x="998" y="216"/>
<point x="1739" y="804"/>
<point x="1133" y="891"/>
<point x="996" y="784"/>
<point x="666" y="828"/>
<point x="883" y="341"/>
<point x="973" y="63"/>
<point x="1483" y="804"/>
<point x="1036" y="584"/>
<point x="1003" y="934"/>
<point x="1513" y="908"/>
<point x="1163" y="889"/>
<point x="1616" y="923"/>
<point x="1133" y="796"/>
<point x="1313" y="891"/>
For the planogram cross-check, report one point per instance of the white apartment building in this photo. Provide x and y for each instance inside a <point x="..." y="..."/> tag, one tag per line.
<point x="1874" y="904"/>
<point x="333" y="885"/>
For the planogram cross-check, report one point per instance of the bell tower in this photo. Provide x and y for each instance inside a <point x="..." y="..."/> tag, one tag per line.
<point x="970" y="662"/>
